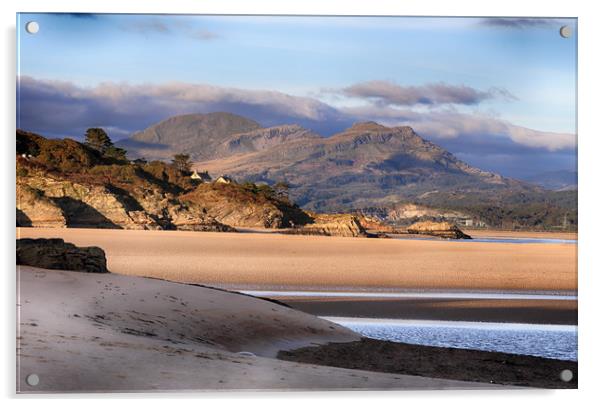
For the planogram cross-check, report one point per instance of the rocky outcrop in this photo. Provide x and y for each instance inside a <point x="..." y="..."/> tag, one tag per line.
<point x="439" y="229"/>
<point x="408" y="213"/>
<point x="60" y="255"/>
<point x="332" y="225"/>
<point x="245" y="205"/>
<point x="51" y="199"/>
<point x="35" y="209"/>
<point x="85" y="205"/>
<point x="374" y="224"/>
<point x="186" y="219"/>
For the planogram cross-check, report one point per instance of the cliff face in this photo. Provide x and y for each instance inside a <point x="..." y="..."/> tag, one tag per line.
<point x="82" y="205"/>
<point x="37" y="210"/>
<point x="51" y="201"/>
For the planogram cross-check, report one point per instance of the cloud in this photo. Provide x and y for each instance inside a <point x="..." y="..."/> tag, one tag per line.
<point x="518" y="23"/>
<point x="450" y="124"/>
<point x="162" y="27"/>
<point x="59" y="108"/>
<point x="385" y="93"/>
<point x="147" y="26"/>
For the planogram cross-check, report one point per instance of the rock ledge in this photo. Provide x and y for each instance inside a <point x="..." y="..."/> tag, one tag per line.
<point x="445" y="230"/>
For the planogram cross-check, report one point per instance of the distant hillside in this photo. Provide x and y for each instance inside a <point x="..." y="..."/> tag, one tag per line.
<point x="202" y="136"/>
<point x="563" y="180"/>
<point x="366" y="165"/>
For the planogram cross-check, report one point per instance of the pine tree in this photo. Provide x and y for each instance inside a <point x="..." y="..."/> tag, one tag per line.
<point x="116" y="153"/>
<point x="182" y="162"/>
<point x="98" y="139"/>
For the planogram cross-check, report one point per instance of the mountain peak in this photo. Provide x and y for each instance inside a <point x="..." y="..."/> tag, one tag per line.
<point x="196" y="134"/>
<point x="195" y="125"/>
<point x="368" y="126"/>
<point x="212" y="116"/>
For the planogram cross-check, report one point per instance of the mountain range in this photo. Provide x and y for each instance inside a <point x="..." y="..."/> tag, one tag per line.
<point x="364" y="166"/>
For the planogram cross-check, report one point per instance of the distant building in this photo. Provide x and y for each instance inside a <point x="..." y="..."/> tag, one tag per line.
<point x="469" y="222"/>
<point x="203" y="176"/>
<point x="224" y="179"/>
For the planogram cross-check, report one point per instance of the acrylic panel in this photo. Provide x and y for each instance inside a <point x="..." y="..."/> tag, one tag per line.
<point x="214" y="202"/>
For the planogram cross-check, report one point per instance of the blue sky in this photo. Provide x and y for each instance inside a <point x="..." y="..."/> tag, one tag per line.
<point x="506" y="85"/>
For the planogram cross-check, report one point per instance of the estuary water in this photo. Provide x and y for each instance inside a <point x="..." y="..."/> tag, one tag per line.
<point x="457" y="295"/>
<point x="549" y="341"/>
<point x="512" y="240"/>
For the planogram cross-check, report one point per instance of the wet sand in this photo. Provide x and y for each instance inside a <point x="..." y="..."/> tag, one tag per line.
<point x="402" y="358"/>
<point x="285" y="261"/>
<point x="519" y="311"/>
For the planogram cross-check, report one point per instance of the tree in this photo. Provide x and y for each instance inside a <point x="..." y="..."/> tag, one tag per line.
<point x="281" y="189"/>
<point x="182" y="162"/>
<point x="98" y="139"/>
<point x="116" y="153"/>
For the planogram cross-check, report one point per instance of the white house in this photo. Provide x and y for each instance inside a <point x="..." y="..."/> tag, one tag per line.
<point x="224" y="179"/>
<point x="203" y="176"/>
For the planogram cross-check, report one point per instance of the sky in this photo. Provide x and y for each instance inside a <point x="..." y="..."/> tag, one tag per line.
<point x="499" y="93"/>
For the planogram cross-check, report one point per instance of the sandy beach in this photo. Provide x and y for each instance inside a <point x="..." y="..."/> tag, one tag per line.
<point x="188" y="337"/>
<point x="273" y="260"/>
<point x="82" y="332"/>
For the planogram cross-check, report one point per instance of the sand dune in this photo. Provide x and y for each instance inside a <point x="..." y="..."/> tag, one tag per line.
<point x="255" y="259"/>
<point x="105" y="332"/>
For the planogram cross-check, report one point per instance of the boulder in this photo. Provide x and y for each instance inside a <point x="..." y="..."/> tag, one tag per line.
<point x="445" y="230"/>
<point x="60" y="255"/>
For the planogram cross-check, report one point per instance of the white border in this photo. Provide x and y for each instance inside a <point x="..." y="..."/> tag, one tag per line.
<point x="590" y="145"/>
